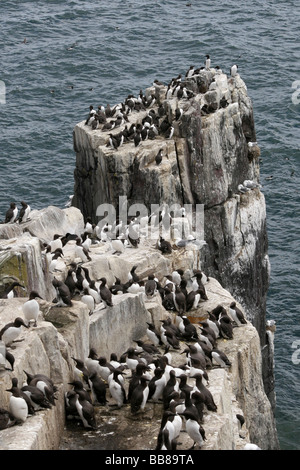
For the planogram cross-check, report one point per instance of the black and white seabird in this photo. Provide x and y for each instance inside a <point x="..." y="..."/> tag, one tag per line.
<point x="188" y="330"/>
<point x="88" y="300"/>
<point x="207" y="62"/>
<point x="7" y="419"/>
<point x="56" y="243"/>
<point x="137" y="138"/>
<point x="139" y="396"/>
<point x="105" y="368"/>
<point x="31" y="308"/>
<point x="37" y="397"/>
<point x="10" y="291"/>
<point x="206" y="393"/>
<point x="117" y="389"/>
<point x="178" y="114"/>
<point x="81" y="252"/>
<point x="164" y="246"/>
<point x="157" y="385"/>
<point x="132" y="359"/>
<point x="220" y="358"/>
<point x="150" y="286"/>
<point x="166" y="437"/>
<point x="7" y="356"/>
<point x="140" y="370"/>
<point x="24" y="212"/>
<point x="43" y="383"/>
<point x="105" y="293"/>
<point x="41" y="380"/>
<point x="234" y="70"/>
<point x="71" y="280"/>
<point x="236" y="314"/>
<point x="11" y="213"/>
<point x="10" y="332"/>
<point x="194" y="429"/>
<point x="190" y="72"/>
<point x="17" y="405"/>
<point x="86" y="411"/>
<point x="78" y="385"/>
<point x="98" y="389"/>
<point x="153" y="334"/>
<point x="169" y="133"/>
<point x="92" y="362"/>
<point x="169" y="338"/>
<point x="132" y="275"/>
<point x="81" y="372"/>
<point x="158" y="157"/>
<point x="148" y="348"/>
<point x="54" y="260"/>
<point x="184" y="387"/>
<point x="179" y="300"/>
<point x="192" y="300"/>
<point x="171" y="386"/>
<point x="226" y="328"/>
<point x="63" y="294"/>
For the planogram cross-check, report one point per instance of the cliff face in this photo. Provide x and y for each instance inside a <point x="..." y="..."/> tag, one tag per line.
<point x="66" y="332"/>
<point x="203" y="164"/>
<point x="209" y="155"/>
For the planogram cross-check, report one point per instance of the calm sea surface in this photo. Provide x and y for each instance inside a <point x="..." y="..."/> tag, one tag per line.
<point x="58" y="57"/>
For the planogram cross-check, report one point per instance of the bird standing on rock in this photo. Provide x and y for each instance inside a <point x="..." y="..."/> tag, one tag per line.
<point x="158" y="158"/>
<point x="194" y="429"/>
<point x="105" y="293"/>
<point x="63" y="298"/>
<point x="6" y="419"/>
<point x="153" y="334"/>
<point x="11" y="214"/>
<point x="85" y="410"/>
<point x="139" y="396"/>
<point x="117" y="389"/>
<point x="10" y="332"/>
<point x="9" y="292"/>
<point x="24" y="212"/>
<point x="150" y="286"/>
<point x="43" y="383"/>
<point x="81" y="252"/>
<point x="17" y="405"/>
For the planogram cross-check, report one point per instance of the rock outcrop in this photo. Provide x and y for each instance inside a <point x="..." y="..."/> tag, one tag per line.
<point x="66" y="332"/>
<point x="213" y="150"/>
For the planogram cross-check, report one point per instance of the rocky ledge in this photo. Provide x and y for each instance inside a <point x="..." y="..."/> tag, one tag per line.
<point x="68" y="331"/>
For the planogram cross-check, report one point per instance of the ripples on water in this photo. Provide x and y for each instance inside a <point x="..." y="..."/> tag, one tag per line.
<point x="105" y="50"/>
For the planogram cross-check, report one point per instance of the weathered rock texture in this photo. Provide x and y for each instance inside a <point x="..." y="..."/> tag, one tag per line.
<point x="203" y="164"/>
<point x="205" y="161"/>
<point x="66" y="332"/>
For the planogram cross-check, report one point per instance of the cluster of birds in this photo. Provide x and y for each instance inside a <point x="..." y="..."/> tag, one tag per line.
<point x="38" y="392"/>
<point x="181" y="390"/>
<point x="117" y="237"/>
<point x="156" y="122"/>
<point x="13" y="214"/>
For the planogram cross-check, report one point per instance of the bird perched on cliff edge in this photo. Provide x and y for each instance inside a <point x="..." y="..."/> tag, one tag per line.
<point x="24" y="212"/>
<point x="12" y="330"/>
<point x="63" y="294"/>
<point x="11" y="213"/>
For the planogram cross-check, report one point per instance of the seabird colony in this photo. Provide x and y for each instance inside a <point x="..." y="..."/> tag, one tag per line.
<point x="171" y="365"/>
